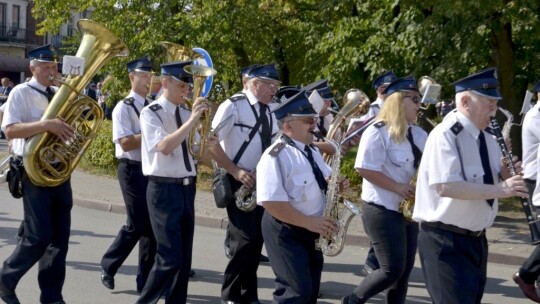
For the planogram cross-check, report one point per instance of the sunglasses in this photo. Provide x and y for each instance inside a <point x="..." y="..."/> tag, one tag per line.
<point x="415" y="99"/>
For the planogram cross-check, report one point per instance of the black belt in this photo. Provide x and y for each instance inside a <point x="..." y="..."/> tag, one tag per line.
<point x="186" y="181"/>
<point x="530" y="181"/>
<point x="452" y="228"/>
<point x="130" y="161"/>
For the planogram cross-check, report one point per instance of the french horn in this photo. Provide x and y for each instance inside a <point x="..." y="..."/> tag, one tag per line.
<point x="49" y="161"/>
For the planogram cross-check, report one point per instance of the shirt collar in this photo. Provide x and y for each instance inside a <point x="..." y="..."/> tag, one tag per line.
<point x="467" y="124"/>
<point x="33" y="82"/>
<point x="251" y="98"/>
<point x="167" y="105"/>
<point x="138" y="98"/>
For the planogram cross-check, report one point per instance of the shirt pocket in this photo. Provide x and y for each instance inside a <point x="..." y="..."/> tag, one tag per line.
<point x="304" y="187"/>
<point x="400" y="158"/>
<point x="474" y="173"/>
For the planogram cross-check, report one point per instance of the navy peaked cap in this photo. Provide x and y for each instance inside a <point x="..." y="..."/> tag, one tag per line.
<point x="385" y="78"/>
<point x="143" y="64"/>
<point x="176" y="70"/>
<point x="297" y="105"/>
<point x="484" y="83"/>
<point x="46" y="53"/>
<point x="404" y="84"/>
<point x="268" y="71"/>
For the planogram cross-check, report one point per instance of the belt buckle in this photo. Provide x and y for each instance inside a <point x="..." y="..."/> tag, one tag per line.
<point x="185" y="181"/>
<point x="479" y="233"/>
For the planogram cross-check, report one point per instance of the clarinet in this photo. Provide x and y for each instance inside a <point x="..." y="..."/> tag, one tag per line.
<point x="534" y="225"/>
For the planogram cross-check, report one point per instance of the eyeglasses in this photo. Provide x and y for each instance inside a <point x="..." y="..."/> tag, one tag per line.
<point x="305" y="120"/>
<point x="415" y="99"/>
<point x="270" y="84"/>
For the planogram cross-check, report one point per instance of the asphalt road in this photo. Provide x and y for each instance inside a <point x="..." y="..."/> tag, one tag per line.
<point x="93" y="231"/>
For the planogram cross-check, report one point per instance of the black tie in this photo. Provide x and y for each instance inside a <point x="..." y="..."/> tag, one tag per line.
<point x="50" y="93"/>
<point x="484" y="156"/>
<point x="184" y="144"/>
<point x="316" y="171"/>
<point x="321" y="126"/>
<point x="146" y="102"/>
<point x="416" y="152"/>
<point x="266" y="134"/>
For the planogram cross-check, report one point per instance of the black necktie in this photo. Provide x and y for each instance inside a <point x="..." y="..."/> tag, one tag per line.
<point x="321" y="126"/>
<point x="266" y="134"/>
<point x="50" y="93"/>
<point x="323" y="185"/>
<point x="484" y="156"/>
<point x="184" y="144"/>
<point x="416" y="152"/>
<point x="146" y="102"/>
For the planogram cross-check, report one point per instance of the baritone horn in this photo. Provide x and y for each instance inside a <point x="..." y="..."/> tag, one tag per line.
<point x="200" y="74"/>
<point x="48" y="161"/>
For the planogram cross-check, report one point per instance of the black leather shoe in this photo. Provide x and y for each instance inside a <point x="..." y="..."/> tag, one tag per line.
<point x="228" y="252"/>
<point x="107" y="280"/>
<point x="191" y="273"/>
<point x="8" y="296"/>
<point x="264" y="259"/>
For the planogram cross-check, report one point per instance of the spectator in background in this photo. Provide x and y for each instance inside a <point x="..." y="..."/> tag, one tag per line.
<point x="444" y="107"/>
<point x="90" y="91"/>
<point x="4" y="90"/>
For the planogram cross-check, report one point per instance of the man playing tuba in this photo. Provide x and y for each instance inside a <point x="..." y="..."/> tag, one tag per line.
<point x="47" y="210"/>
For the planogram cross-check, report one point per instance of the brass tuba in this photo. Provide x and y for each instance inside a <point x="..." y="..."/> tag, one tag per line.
<point x="49" y="161"/>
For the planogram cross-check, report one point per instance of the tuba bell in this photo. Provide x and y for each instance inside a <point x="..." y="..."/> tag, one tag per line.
<point x="48" y="160"/>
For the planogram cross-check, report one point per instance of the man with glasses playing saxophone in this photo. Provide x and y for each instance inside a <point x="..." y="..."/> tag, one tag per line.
<point x="242" y="144"/>
<point x="291" y="187"/>
<point x="460" y="180"/>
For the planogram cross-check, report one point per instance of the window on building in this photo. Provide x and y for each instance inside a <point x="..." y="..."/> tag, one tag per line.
<point x="2" y="19"/>
<point x="16" y="17"/>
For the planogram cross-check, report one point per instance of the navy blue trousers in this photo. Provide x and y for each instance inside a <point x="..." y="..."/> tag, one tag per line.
<point x="394" y="242"/>
<point x="245" y="242"/>
<point x="47" y="223"/>
<point x="172" y="214"/>
<point x="137" y="228"/>
<point x="454" y="265"/>
<point x="295" y="260"/>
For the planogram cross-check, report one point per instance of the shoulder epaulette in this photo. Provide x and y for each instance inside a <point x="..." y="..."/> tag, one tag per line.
<point x="129" y="100"/>
<point x="277" y="148"/>
<point x="456" y="128"/>
<point x="489" y="130"/>
<point x="237" y="97"/>
<point x="380" y="124"/>
<point x="155" y="107"/>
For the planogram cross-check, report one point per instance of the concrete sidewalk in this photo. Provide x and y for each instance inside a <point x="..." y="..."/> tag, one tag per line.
<point x="508" y="239"/>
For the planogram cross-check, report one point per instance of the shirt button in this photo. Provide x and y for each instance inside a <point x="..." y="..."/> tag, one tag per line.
<point x="305" y="182"/>
<point x="474" y="175"/>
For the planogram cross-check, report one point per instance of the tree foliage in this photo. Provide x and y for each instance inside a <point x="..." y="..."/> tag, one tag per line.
<point x="348" y="42"/>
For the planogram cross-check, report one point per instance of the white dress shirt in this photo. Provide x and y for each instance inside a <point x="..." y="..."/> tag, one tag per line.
<point x="288" y="177"/>
<point x="451" y="158"/>
<point x="125" y="122"/>
<point x="155" y="125"/>
<point x="378" y="152"/>
<point x="530" y="137"/>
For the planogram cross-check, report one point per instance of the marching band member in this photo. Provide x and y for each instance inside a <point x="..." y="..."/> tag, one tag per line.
<point x="47" y="210"/>
<point x="290" y="186"/>
<point x="457" y="193"/>
<point x="530" y="135"/>
<point x="165" y="127"/>
<point x="388" y="156"/>
<point x="127" y="138"/>
<point x="324" y="116"/>
<point x="380" y="84"/>
<point x="242" y="144"/>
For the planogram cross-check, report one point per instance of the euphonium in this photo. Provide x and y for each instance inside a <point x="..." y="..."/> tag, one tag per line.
<point x="246" y="198"/>
<point x="355" y="103"/>
<point x="333" y="245"/>
<point x="200" y="74"/>
<point x="47" y="160"/>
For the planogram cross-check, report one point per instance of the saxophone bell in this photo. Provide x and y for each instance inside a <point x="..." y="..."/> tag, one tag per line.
<point x="246" y="198"/>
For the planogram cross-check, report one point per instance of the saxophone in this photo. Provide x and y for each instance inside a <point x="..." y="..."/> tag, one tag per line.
<point x="333" y="245"/>
<point x="246" y="198"/>
<point x="406" y="206"/>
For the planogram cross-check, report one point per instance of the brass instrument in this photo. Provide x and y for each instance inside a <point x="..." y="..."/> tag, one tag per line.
<point x="246" y="198"/>
<point x="355" y="103"/>
<point x="48" y="160"/>
<point x="426" y="123"/>
<point x="333" y="245"/>
<point x="406" y="206"/>
<point x="200" y="74"/>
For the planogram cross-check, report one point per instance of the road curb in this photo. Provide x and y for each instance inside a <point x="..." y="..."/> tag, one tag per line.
<point x="221" y="223"/>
